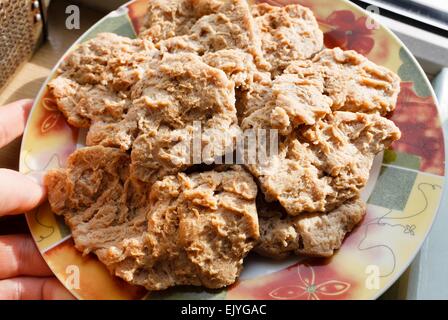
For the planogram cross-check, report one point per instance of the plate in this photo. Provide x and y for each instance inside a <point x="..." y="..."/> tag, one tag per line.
<point x="403" y="193"/>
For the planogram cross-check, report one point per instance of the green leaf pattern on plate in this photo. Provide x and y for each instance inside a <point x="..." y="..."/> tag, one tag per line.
<point x="409" y="72"/>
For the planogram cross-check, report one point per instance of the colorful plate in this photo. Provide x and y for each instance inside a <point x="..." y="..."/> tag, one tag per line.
<point x="403" y="193"/>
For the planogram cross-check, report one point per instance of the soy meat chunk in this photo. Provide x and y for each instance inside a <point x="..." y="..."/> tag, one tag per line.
<point x="334" y="80"/>
<point x="322" y="166"/>
<point x="238" y="65"/>
<point x="180" y="95"/>
<point x="353" y="82"/>
<point x="184" y="230"/>
<point x="110" y="60"/>
<point x="213" y="25"/>
<point x="224" y="32"/>
<point x="94" y="83"/>
<point x="285" y="103"/>
<point x="287" y="33"/>
<point x="200" y="227"/>
<point x="104" y="209"/>
<point x="312" y="234"/>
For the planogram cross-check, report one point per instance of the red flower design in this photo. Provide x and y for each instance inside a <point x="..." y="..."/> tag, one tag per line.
<point x="349" y="33"/>
<point x="51" y="118"/>
<point x="308" y="287"/>
<point x="312" y="279"/>
<point x="418" y="119"/>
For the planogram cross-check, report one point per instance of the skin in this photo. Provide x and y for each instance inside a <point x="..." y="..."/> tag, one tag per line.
<point x="24" y="275"/>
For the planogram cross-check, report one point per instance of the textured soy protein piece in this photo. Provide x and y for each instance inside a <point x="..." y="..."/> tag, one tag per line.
<point x="186" y="230"/>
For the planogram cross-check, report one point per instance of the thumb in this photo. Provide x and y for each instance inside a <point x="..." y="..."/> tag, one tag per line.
<point x="18" y="193"/>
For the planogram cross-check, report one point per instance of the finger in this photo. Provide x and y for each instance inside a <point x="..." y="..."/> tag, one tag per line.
<point x="33" y="289"/>
<point x="18" y="193"/>
<point x="20" y="257"/>
<point x="13" y="118"/>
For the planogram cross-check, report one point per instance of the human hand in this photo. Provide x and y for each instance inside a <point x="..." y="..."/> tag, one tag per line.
<point x="24" y="275"/>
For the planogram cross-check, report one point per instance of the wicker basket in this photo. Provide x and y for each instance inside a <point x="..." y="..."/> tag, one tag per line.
<point x="21" y="30"/>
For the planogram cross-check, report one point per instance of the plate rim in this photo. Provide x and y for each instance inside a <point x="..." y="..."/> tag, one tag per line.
<point x="411" y="259"/>
<point x="355" y="7"/>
